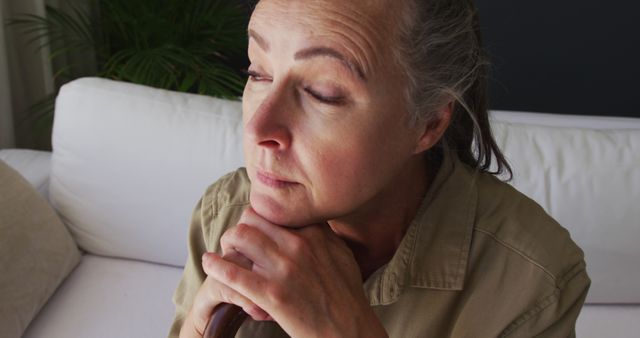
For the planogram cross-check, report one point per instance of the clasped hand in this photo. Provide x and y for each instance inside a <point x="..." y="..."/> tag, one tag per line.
<point x="305" y="279"/>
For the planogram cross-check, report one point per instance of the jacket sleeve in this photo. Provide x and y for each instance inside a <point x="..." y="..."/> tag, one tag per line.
<point x="556" y="315"/>
<point x="220" y="206"/>
<point x="193" y="276"/>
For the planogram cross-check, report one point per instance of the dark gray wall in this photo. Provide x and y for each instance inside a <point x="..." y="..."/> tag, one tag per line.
<point x="571" y="57"/>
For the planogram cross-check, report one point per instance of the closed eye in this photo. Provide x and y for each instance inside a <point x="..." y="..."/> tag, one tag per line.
<point x="331" y="100"/>
<point x="255" y="76"/>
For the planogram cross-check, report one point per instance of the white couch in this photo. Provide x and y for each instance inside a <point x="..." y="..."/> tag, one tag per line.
<point x="130" y="162"/>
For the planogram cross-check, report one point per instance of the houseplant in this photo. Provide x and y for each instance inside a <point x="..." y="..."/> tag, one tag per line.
<point x="185" y="45"/>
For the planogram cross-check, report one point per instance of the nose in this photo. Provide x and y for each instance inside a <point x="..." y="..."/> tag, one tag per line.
<point x="270" y="126"/>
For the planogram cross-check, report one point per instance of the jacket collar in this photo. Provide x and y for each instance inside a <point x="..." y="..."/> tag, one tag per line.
<point x="435" y="249"/>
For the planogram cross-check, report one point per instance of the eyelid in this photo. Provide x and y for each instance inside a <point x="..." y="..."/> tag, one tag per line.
<point x="336" y="100"/>
<point x="256" y="76"/>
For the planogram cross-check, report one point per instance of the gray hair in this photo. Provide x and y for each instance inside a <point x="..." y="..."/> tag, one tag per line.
<point x="440" y="51"/>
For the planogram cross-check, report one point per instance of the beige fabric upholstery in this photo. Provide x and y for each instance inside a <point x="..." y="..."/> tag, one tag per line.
<point x="36" y="252"/>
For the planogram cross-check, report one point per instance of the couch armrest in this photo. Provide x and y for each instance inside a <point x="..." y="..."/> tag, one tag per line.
<point x="34" y="165"/>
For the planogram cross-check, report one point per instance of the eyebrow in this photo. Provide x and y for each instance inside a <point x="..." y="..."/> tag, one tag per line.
<point x="330" y="52"/>
<point x="312" y="52"/>
<point x="264" y="44"/>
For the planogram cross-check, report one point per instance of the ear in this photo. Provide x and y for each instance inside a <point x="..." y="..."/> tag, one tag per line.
<point x="433" y="129"/>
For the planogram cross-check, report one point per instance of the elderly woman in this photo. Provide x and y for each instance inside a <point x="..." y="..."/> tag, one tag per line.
<point x="368" y="207"/>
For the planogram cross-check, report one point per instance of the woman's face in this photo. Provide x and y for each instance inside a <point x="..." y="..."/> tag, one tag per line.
<point x="325" y="126"/>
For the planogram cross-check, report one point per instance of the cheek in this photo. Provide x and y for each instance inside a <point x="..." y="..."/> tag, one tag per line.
<point x="358" y="161"/>
<point x="340" y="168"/>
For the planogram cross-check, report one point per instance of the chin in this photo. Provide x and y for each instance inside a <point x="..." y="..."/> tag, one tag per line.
<point x="276" y="212"/>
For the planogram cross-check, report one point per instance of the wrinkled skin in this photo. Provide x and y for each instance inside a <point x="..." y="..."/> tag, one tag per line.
<point x="337" y="172"/>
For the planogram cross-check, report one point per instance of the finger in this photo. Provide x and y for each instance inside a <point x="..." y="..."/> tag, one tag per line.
<point x="234" y="256"/>
<point x="213" y="292"/>
<point x="317" y="231"/>
<point x="287" y="239"/>
<point x="280" y="235"/>
<point x="252" y="243"/>
<point x="324" y="240"/>
<point x="316" y="239"/>
<point x="335" y="242"/>
<point x="335" y="248"/>
<point x="246" y="283"/>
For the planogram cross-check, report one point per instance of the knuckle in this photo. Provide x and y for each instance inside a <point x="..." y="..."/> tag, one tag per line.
<point x="246" y="214"/>
<point x="230" y="273"/>
<point x="242" y="231"/>
<point x="287" y="269"/>
<point x="299" y="245"/>
<point x="226" y="236"/>
<point x="206" y="265"/>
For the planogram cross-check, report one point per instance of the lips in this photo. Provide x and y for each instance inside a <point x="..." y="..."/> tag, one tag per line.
<point x="273" y="180"/>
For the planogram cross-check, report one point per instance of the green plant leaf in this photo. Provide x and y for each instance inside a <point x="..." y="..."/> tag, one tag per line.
<point x="186" y="45"/>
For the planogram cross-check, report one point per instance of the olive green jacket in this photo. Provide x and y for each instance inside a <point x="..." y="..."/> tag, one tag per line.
<point x="480" y="259"/>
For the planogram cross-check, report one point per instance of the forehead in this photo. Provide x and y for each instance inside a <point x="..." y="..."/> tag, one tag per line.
<point x="364" y="28"/>
<point x="364" y="11"/>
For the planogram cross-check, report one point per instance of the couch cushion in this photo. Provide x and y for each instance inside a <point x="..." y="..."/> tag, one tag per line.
<point x="130" y="162"/>
<point x="588" y="178"/>
<point x="36" y="252"/>
<point x="598" y="321"/>
<point x="34" y="165"/>
<point x="109" y="297"/>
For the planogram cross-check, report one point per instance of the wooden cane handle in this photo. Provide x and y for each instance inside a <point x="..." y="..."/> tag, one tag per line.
<point x="225" y="321"/>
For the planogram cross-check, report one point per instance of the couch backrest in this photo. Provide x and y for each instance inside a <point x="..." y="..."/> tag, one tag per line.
<point x="130" y="163"/>
<point x="585" y="171"/>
